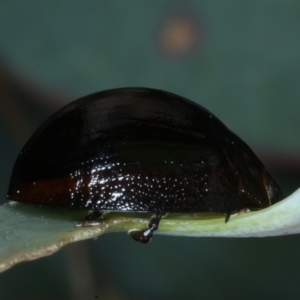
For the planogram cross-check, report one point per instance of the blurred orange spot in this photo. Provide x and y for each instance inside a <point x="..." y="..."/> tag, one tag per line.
<point x="179" y="36"/>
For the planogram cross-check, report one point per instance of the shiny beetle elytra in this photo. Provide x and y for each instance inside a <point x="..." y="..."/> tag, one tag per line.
<point x="140" y="150"/>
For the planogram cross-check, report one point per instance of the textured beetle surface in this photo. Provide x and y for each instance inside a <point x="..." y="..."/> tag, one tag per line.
<point x="141" y="150"/>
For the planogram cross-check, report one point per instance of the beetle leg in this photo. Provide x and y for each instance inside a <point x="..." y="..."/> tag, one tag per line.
<point x="227" y="217"/>
<point x="235" y="213"/>
<point x="91" y="219"/>
<point x="144" y="236"/>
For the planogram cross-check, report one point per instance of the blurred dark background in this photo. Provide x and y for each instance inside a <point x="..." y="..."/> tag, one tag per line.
<point x="239" y="59"/>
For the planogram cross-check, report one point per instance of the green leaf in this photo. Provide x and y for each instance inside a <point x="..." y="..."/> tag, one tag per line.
<point x="28" y="232"/>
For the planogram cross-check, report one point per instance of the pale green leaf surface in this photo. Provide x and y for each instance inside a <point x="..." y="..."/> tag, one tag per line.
<point x="28" y="232"/>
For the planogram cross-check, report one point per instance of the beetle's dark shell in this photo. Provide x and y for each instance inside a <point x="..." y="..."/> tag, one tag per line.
<point x="139" y="149"/>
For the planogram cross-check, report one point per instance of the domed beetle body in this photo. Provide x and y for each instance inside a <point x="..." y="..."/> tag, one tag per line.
<point x="140" y="150"/>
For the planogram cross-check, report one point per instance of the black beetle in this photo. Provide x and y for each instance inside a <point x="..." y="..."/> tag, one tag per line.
<point x="140" y="150"/>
